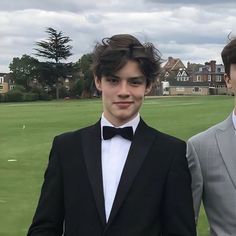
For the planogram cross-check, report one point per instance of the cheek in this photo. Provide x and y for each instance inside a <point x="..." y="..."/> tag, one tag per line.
<point x="233" y="73"/>
<point x="107" y="94"/>
<point x="139" y="95"/>
<point x="139" y="98"/>
<point x="232" y="78"/>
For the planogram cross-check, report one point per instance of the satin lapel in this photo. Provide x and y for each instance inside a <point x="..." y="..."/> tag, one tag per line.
<point x="91" y="140"/>
<point x="140" y="146"/>
<point x="227" y="144"/>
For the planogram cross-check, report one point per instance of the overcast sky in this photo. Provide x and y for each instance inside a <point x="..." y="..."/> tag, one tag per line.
<point x="193" y="30"/>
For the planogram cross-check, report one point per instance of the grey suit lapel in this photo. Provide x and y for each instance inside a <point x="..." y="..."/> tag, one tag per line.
<point x="91" y="141"/>
<point x="226" y="140"/>
<point x="140" y="146"/>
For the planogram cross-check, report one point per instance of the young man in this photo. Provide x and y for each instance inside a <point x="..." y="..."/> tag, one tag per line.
<point x="118" y="177"/>
<point x="212" y="161"/>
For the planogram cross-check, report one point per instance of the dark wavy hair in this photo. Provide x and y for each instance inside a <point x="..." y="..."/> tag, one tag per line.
<point x="228" y="55"/>
<point x="113" y="53"/>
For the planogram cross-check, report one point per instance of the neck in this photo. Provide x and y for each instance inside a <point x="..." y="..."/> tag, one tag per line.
<point x="117" y="123"/>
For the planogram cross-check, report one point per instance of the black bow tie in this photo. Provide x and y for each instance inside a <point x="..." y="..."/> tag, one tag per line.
<point x="109" y="132"/>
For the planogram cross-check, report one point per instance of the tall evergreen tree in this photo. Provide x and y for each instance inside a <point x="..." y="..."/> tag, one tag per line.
<point x="56" y="47"/>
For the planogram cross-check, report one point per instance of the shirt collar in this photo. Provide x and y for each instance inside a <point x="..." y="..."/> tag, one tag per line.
<point x="234" y="118"/>
<point x="134" y="122"/>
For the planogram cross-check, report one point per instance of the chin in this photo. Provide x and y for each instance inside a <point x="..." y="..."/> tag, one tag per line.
<point x="125" y="118"/>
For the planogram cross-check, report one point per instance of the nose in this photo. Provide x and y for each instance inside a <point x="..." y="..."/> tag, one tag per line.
<point x="124" y="89"/>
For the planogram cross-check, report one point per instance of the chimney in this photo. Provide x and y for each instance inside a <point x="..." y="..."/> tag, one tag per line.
<point x="188" y="65"/>
<point x="213" y="65"/>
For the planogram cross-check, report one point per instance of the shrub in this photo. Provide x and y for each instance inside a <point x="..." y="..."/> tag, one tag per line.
<point x="30" y="97"/>
<point x="36" y="90"/>
<point x="2" y="97"/>
<point x="18" y="87"/>
<point x="44" y="96"/>
<point x="63" y="92"/>
<point x="14" y="96"/>
<point x="77" y="88"/>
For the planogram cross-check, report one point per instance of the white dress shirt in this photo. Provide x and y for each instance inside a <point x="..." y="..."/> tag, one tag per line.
<point x="114" y="154"/>
<point x="234" y="118"/>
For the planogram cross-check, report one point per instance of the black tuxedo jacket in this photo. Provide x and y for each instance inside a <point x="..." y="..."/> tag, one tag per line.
<point x="153" y="197"/>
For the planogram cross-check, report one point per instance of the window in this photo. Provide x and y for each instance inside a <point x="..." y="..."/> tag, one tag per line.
<point x="209" y="78"/>
<point x="197" y="90"/>
<point x="220" y="69"/>
<point x="199" y="79"/>
<point x="179" y="74"/>
<point x="1" y="80"/>
<point x="1" y="87"/>
<point x="218" y="78"/>
<point x="180" y="78"/>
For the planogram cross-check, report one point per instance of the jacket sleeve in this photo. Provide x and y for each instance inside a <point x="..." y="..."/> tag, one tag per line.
<point x="197" y="179"/>
<point x="49" y="215"/>
<point x="178" y="202"/>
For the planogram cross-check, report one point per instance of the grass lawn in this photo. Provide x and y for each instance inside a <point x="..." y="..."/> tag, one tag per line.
<point x="27" y="130"/>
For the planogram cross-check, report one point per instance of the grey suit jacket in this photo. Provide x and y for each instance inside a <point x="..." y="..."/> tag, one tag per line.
<point x="212" y="161"/>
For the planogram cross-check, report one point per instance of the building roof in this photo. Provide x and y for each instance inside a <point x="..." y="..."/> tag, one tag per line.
<point x="3" y="74"/>
<point x="173" y="64"/>
<point x="207" y="73"/>
<point x="188" y="84"/>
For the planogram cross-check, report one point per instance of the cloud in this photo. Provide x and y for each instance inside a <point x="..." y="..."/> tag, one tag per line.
<point x="51" y="5"/>
<point x="198" y="2"/>
<point x="185" y="30"/>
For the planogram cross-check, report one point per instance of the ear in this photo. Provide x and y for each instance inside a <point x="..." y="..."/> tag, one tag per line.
<point x="148" y="89"/>
<point x="227" y="81"/>
<point x="98" y="83"/>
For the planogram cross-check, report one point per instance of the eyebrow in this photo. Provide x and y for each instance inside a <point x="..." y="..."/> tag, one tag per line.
<point x="134" y="77"/>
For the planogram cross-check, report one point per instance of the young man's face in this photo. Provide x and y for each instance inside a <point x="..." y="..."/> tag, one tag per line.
<point x="123" y="93"/>
<point x="231" y="79"/>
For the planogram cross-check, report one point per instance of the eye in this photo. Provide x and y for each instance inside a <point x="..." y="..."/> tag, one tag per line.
<point x="112" y="80"/>
<point x="136" y="81"/>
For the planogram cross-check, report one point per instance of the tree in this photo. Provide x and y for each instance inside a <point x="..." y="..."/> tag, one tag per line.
<point x="55" y="48"/>
<point x="24" y="70"/>
<point x="85" y="62"/>
<point x="77" y="88"/>
<point x="84" y="65"/>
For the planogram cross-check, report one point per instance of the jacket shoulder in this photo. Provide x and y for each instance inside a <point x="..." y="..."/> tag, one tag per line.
<point x="72" y="136"/>
<point x="166" y="138"/>
<point x="209" y="133"/>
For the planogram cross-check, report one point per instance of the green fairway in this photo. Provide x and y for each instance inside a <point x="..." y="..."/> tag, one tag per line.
<point x="27" y="131"/>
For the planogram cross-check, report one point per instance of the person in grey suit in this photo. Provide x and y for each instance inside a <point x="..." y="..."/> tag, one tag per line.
<point x="212" y="161"/>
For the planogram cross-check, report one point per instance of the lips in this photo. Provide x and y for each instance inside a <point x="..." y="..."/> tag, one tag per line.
<point x="123" y="105"/>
